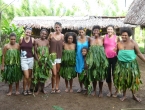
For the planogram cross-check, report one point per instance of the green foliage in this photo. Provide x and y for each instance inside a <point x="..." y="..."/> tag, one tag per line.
<point x="127" y="76"/>
<point x="8" y="28"/>
<point x="12" y="72"/>
<point x="0" y="56"/>
<point x="42" y="66"/>
<point x="57" y="108"/>
<point x="67" y="70"/>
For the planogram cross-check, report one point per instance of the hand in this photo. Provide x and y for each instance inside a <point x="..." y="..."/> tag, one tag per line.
<point x="2" y="68"/>
<point x="115" y="49"/>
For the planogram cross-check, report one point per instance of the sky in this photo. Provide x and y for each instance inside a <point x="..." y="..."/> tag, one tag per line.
<point x="93" y="7"/>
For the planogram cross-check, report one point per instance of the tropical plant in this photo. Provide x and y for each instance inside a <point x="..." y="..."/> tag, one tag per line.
<point x="8" y="28"/>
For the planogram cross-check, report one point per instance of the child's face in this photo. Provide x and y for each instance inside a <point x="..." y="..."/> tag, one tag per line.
<point x="96" y="32"/>
<point x="70" y="39"/>
<point x="81" y="32"/>
<point x="84" y="52"/>
<point x="43" y="34"/>
<point x="12" y="40"/>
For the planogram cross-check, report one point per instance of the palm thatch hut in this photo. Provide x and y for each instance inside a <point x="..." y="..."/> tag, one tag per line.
<point x="136" y="13"/>
<point x="69" y="23"/>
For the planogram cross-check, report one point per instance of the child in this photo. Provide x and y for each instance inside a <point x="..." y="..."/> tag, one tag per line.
<point x="67" y="70"/>
<point x="11" y="69"/>
<point x="84" y="76"/>
<point x="42" y="63"/>
<point x="127" y="74"/>
<point x="97" y="61"/>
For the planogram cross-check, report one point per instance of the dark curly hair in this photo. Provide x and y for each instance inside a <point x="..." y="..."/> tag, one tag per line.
<point x="85" y="48"/>
<point x="128" y="30"/>
<point x="67" y="34"/>
<point x="44" y="30"/>
<point x="95" y="27"/>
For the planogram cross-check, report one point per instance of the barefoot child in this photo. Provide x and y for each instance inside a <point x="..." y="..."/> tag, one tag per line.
<point x="84" y="76"/>
<point x="67" y="70"/>
<point x="11" y="69"/>
<point x="42" y="63"/>
<point x="97" y="61"/>
<point x="127" y="74"/>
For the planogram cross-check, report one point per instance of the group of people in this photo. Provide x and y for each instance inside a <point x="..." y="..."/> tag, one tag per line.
<point x="95" y="58"/>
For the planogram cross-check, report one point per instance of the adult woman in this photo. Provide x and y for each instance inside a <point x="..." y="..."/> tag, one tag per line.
<point x="82" y="41"/>
<point x="56" y="40"/>
<point x="27" y="60"/>
<point x="110" y="44"/>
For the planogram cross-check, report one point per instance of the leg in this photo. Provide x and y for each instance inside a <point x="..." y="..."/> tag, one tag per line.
<point x="57" y="78"/>
<point x="94" y="87"/>
<point x="39" y="88"/>
<point x="53" y="79"/>
<point x="42" y="88"/>
<point x="113" y="68"/>
<point x="100" y="88"/>
<point x="108" y="79"/>
<point x="17" y="88"/>
<point x="10" y="90"/>
<point x="135" y="97"/>
<point x="66" y="83"/>
<point x="29" y="81"/>
<point x="124" y="96"/>
<point x="25" y="81"/>
<point x="71" y="82"/>
<point x="81" y="86"/>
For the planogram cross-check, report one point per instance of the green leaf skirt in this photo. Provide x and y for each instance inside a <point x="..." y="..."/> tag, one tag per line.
<point x="127" y="75"/>
<point x="97" y="63"/>
<point x="67" y="69"/>
<point x="12" y="73"/>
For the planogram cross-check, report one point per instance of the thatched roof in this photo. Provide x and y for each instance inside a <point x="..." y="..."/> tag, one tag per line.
<point x="69" y="22"/>
<point x="136" y="13"/>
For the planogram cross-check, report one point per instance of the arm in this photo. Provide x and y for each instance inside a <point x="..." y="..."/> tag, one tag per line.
<point x="139" y="54"/>
<point x="35" y="50"/>
<point x="3" y="57"/>
<point x="50" y="35"/>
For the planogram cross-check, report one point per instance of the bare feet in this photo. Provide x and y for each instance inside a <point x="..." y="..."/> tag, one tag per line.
<point x="37" y="93"/>
<point x="79" y="91"/>
<point x="85" y="93"/>
<point x="66" y="90"/>
<point x="93" y="93"/>
<point x="17" y="93"/>
<point x="9" y="94"/>
<point x="109" y="94"/>
<point x="71" y="90"/>
<point x="123" y="98"/>
<point x="100" y="94"/>
<point x="136" y="98"/>
<point x="115" y="94"/>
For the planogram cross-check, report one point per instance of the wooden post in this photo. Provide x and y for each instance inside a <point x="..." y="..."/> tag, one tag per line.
<point x="133" y="37"/>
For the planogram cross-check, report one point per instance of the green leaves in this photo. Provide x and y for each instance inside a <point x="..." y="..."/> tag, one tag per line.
<point x="127" y="75"/>
<point x="97" y="63"/>
<point x="12" y="72"/>
<point x="67" y="70"/>
<point x="42" y="66"/>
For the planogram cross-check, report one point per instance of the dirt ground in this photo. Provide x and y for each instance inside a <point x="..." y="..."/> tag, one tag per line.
<point x="71" y="101"/>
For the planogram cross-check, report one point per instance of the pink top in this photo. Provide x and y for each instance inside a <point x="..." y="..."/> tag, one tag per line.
<point x="109" y="45"/>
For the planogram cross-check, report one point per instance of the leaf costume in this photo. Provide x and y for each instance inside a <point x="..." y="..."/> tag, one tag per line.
<point x="12" y="72"/>
<point x="97" y="63"/>
<point x="67" y="70"/>
<point x="42" y="66"/>
<point x="127" y="74"/>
